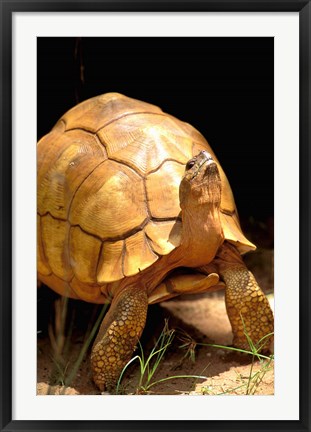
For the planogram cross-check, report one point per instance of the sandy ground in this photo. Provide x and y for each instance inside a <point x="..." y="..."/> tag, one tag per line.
<point x="196" y="320"/>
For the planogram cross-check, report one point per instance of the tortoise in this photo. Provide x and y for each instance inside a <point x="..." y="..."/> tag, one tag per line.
<point x="133" y="209"/>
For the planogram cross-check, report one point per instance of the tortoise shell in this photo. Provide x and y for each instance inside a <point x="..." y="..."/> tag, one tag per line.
<point x="108" y="194"/>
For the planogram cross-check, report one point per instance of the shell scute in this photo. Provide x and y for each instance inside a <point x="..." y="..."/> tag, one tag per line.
<point x="63" y="164"/>
<point x="55" y="236"/>
<point x="110" y="265"/>
<point x="163" y="236"/>
<point x="138" y="254"/>
<point x="162" y="187"/>
<point x="87" y="291"/>
<point x="42" y="263"/>
<point x="59" y="285"/>
<point x="111" y="202"/>
<point x="144" y="141"/>
<point x="84" y="253"/>
<point x="93" y="114"/>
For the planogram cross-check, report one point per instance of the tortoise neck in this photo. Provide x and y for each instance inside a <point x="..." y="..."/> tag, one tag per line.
<point x="202" y="234"/>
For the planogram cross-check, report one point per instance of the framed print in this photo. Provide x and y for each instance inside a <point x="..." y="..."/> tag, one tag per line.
<point x="125" y="99"/>
<point x="246" y="93"/>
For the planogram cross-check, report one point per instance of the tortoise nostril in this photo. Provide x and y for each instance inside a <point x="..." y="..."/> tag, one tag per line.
<point x="206" y="154"/>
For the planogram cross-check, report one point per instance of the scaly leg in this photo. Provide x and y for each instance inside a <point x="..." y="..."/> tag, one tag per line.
<point x="118" y="335"/>
<point x="245" y="299"/>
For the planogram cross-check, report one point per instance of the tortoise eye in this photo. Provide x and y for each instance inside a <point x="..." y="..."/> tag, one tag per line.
<point x="190" y="164"/>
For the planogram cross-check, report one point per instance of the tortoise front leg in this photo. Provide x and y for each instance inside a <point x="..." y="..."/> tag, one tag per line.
<point x="247" y="306"/>
<point x="118" y="335"/>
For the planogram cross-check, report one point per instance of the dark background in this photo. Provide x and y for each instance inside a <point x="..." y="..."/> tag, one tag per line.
<point x="222" y="86"/>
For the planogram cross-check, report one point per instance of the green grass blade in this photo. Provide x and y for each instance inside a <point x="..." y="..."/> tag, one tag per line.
<point x="233" y="349"/>
<point x="160" y="353"/>
<point x="250" y="377"/>
<point x="152" y="370"/>
<point x="124" y="369"/>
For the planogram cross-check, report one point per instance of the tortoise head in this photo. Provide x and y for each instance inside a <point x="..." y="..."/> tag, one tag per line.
<point x="201" y="184"/>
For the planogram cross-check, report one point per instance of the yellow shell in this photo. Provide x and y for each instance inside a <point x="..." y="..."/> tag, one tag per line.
<point x="108" y="201"/>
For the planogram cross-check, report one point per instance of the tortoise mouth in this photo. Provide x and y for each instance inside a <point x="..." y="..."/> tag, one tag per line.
<point x="206" y="158"/>
<point x="203" y="164"/>
<point x="206" y="155"/>
<point x="208" y="163"/>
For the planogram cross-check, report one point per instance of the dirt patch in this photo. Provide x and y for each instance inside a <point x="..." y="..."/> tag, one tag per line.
<point x="197" y="320"/>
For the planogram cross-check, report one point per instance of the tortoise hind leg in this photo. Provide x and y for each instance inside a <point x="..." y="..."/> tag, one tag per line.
<point x="247" y="306"/>
<point x="118" y="335"/>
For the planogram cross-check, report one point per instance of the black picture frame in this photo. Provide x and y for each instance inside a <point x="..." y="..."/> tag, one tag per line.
<point x="7" y="9"/>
